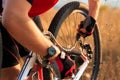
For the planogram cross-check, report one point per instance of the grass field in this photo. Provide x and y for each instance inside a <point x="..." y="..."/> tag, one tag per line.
<point x="109" y="24"/>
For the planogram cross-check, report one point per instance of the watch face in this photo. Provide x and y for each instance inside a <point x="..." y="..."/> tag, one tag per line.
<point x="51" y="51"/>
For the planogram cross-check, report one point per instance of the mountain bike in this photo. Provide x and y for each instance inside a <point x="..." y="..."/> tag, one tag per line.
<point x="86" y="52"/>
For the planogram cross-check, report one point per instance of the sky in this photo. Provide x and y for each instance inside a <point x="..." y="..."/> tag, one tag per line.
<point x="112" y="3"/>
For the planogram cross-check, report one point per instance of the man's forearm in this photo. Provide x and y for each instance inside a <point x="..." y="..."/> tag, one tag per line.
<point x="22" y="28"/>
<point x="94" y="6"/>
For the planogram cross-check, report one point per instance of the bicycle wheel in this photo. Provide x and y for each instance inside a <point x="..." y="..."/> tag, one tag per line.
<point x="64" y="26"/>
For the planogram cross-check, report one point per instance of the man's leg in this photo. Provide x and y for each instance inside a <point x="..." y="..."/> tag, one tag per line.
<point x="10" y="59"/>
<point x="10" y="73"/>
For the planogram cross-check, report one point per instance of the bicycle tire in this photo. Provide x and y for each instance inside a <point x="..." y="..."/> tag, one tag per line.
<point x="60" y="17"/>
<point x="1" y="52"/>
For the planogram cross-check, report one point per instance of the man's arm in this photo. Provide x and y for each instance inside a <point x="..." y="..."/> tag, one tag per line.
<point x="86" y="27"/>
<point x="22" y="28"/>
<point x="94" y="6"/>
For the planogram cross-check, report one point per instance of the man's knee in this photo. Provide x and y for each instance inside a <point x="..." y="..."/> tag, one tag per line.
<point x="10" y="73"/>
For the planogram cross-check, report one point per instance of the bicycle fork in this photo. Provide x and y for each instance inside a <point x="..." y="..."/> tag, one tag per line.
<point x="28" y="65"/>
<point x="86" y="58"/>
<point x="81" y="70"/>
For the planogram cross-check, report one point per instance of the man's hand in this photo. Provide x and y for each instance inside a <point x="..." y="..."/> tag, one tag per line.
<point x="86" y="27"/>
<point x="66" y="66"/>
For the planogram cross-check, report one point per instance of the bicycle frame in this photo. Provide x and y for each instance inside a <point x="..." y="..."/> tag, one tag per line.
<point x="27" y="67"/>
<point x="30" y="61"/>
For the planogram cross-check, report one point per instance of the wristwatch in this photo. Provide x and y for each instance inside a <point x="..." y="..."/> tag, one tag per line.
<point x="50" y="52"/>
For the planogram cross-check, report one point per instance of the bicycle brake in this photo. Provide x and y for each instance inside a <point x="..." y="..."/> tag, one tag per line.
<point x="88" y="49"/>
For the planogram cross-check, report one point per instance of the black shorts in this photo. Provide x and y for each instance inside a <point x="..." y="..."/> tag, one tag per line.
<point x="12" y="50"/>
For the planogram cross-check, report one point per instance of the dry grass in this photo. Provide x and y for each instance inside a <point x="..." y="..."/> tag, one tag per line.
<point x="109" y="23"/>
